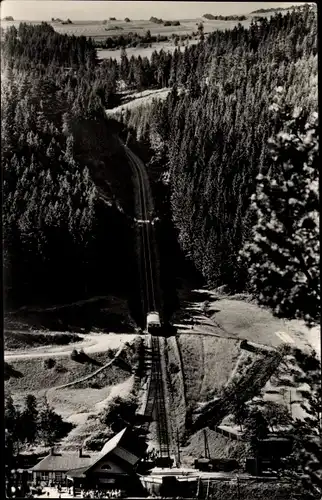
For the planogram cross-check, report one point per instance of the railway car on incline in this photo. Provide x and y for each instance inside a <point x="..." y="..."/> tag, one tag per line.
<point x="153" y="323"/>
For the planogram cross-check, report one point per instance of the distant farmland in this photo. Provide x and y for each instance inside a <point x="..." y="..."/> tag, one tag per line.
<point x="99" y="31"/>
<point x="141" y="51"/>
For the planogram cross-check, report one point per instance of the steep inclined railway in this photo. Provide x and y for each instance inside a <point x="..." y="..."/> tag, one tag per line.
<point x="145" y="214"/>
<point x="156" y="401"/>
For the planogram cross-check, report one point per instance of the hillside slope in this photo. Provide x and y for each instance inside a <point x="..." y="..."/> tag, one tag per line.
<point x="208" y="144"/>
<point x="211" y="326"/>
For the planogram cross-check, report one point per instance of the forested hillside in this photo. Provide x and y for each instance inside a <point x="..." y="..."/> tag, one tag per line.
<point x="41" y="44"/>
<point x="66" y="211"/>
<point x="67" y="186"/>
<point x="212" y="140"/>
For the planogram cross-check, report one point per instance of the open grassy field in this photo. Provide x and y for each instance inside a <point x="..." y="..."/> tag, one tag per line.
<point x="41" y="373"/>
<point x="207" y="364"/>
<point x="79" y="404"/>
<point x="211" y="326"/>
<point x="82" y="401"/>
<point x="239" y="317"/>
<point x="82" y="407"/>
<point x="91" y="343"/>
<point x="99" y="31"/>
<point x="35" y="378"/>
<point x="135" y="51"/>
<point x="143" y="51"/>
<point x="220" y="357"/>
<point x="68" y="402"/>
<point x="72" y="401"/>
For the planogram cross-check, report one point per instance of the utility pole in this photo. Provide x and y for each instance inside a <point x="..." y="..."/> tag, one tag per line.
<point x="198" y="487"/>
<point x="178" y="444"/>
<point x="291" y="403"/>
<point x="207" y="452"/>
<point x="238" y="487"/>
<point x="208" y="485"/>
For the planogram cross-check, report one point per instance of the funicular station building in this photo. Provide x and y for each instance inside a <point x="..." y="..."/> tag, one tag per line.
<point x="111" y="468"/>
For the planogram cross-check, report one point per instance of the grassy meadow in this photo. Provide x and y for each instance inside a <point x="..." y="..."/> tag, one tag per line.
<point x="35" y="377"/>
<point x="101" y="29"/>
<point x="143" y="51"/>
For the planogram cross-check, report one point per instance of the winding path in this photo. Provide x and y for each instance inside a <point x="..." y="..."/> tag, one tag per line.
<point x="87" y="377"/>
<point x="93" y="343"/>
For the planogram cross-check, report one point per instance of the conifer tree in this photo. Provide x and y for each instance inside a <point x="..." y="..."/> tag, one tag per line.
<point x="29" y="418"/>
<point x="50" y="423"/>
<point x="12" y="423"/>
<point x="10" y="415"/>
<point x="283" y="255"/>
<point x="304" y="465"/>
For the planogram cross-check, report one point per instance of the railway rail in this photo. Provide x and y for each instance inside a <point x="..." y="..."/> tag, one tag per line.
<point x="156" y="404"/>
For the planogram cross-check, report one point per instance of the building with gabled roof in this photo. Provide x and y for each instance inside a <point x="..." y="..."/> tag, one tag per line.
<point x="109" y="467"/>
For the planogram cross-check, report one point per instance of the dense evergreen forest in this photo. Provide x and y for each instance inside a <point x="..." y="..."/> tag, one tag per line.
<point x="211" y="140"/>
<point x="224" y="18"/>
<point x="66" y="211"/>
<point x="67" y="187"/>
<point x="130" y="40"/>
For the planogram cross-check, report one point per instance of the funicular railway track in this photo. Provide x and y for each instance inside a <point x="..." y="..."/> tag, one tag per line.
<point x="147" y="264"/>
<point x="156" y="405"/>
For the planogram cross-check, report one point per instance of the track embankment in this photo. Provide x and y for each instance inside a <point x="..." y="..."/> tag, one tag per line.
<point x="176" y="387"/>
<point x="247" y="387"/>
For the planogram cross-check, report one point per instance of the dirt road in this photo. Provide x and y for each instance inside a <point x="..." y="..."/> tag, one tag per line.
<point x="91" y="343"/>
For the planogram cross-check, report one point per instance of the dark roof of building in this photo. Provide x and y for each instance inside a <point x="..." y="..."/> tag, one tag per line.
<point x="64" y="462"/>
<point x="112" y="443"/>
<point x="130" y="450"/>
<point x="108" y="447"/>
<point x="77" y="472"/>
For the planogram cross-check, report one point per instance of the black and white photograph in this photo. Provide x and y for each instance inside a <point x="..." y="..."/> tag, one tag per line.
<point x="160" y="250"/>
